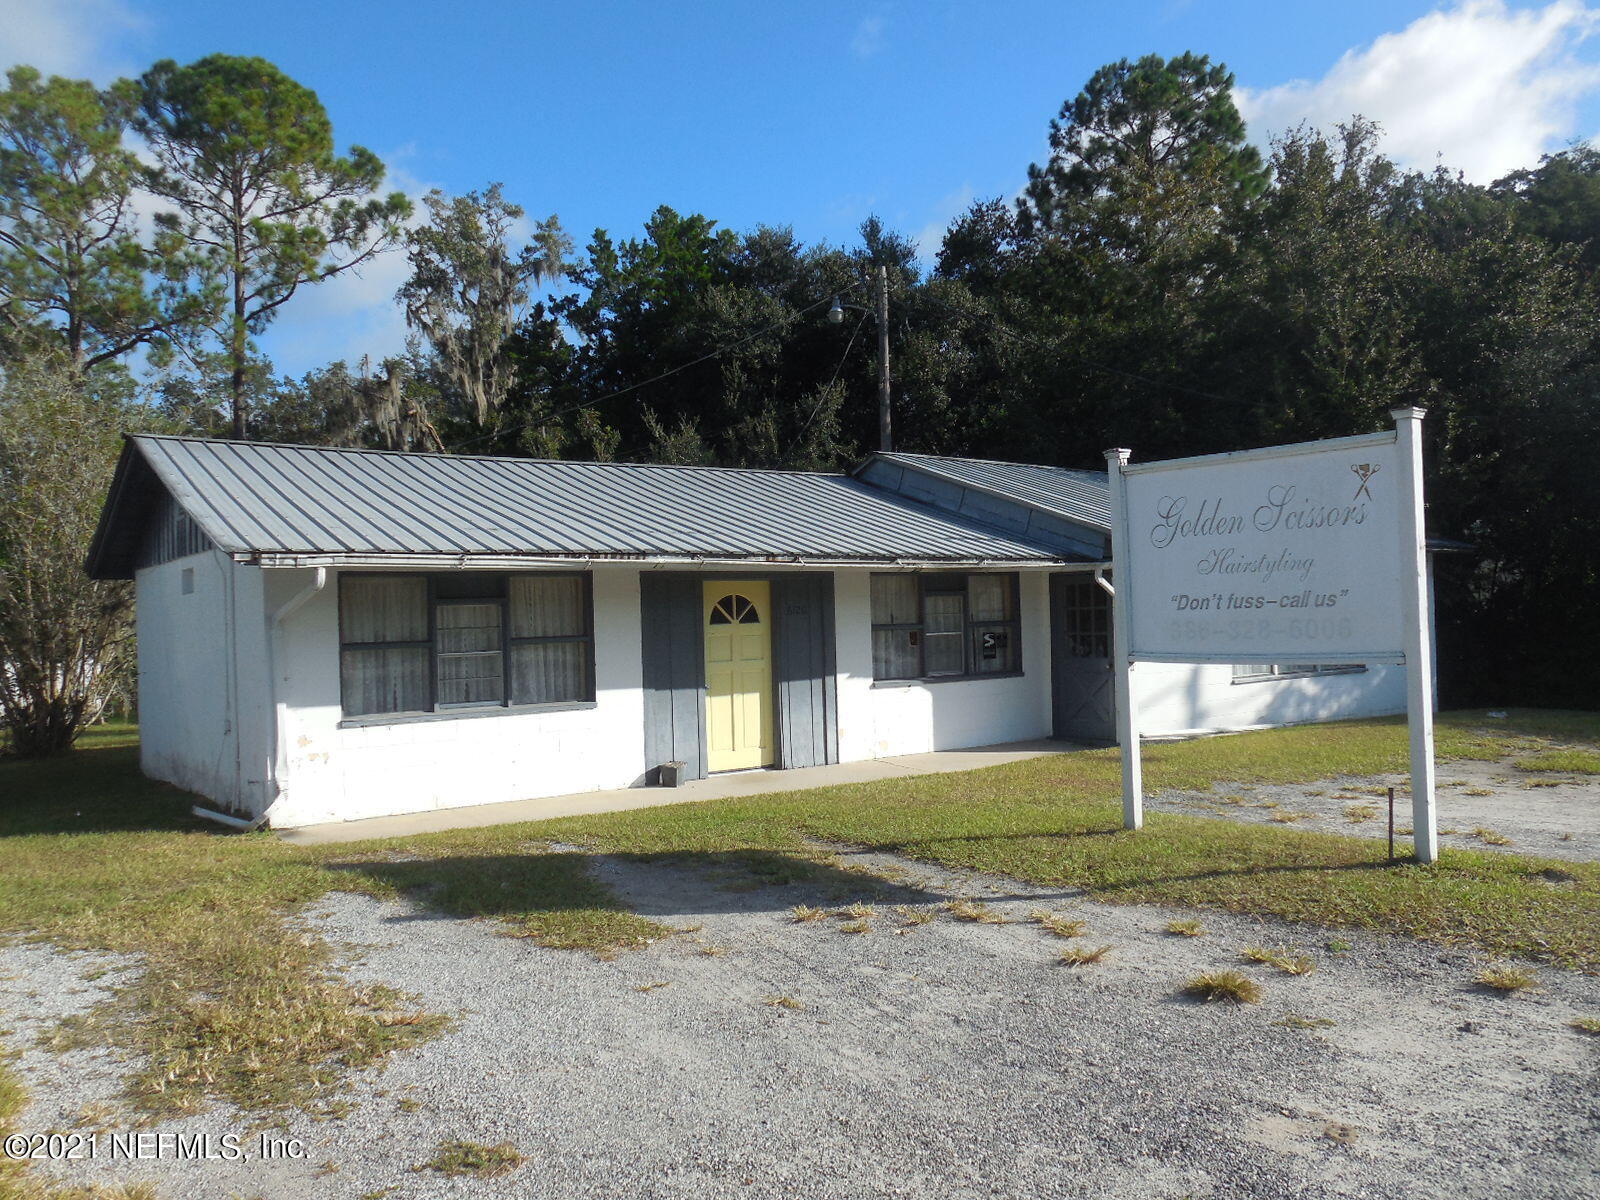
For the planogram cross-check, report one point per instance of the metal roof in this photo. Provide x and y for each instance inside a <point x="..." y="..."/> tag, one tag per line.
<point x="1080" y="496"/>
<point x="255" y="498"/>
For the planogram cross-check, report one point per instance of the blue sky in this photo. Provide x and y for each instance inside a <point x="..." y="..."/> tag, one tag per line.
<point x="814" y="115"/>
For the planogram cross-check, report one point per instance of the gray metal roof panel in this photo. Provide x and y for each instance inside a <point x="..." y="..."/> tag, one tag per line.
<point x="252" y="497"/>
<point x="1081" y="496"/>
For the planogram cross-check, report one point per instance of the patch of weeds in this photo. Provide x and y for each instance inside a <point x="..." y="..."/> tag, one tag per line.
<point x="380" y="1193"/>
<point x="788" y="1002"/>
<point x="856" y="927"/>
<point x="1357" y="813"/>
<point x="96" y="1117"/>
<point x="713" y="951"/>
<point x="456" y="1157"/>
<point x="1590" y="1025"/>
<point x="652" y="985"/>
<point x="689" y="928"/>
<point x="1186" y="928"/>
<point x="1544" y="783"/>
<point x="1230" y="987"/>
<point x="1476" y="791"/>
<point x="1490" y="838"/>
<point x="1083" y="955"/>
<point x="1297" y="1021"/>
<point x="1338" y="946"/>
<point x="1063" y="927"/>
<point x="914" y="916"/>
<point x="973" y="910"/>
<point x="408" y="1104"/>
<point x="857" y="911"/>
<point x="336" y="1109"/>
<point x="1567" y="762"/>
<point x="278" y="1031"/>
<point x="802" y="913"/>
<point x="1336" y="1131"/>
<point x="1288" y="816"/>
<point x="1234" y="800"/>
<point x="1284" y="960"/>
<point x="325" y="1169"/>
<point x="1565" y="837"/>
<point x="1315" y="792"/>
<point x="1507" y="978"/>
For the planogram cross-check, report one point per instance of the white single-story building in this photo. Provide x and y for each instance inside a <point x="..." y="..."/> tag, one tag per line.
<point x="329" y="634"/>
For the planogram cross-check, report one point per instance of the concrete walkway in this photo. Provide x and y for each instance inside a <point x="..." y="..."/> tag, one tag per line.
<point x="738" y="783"/>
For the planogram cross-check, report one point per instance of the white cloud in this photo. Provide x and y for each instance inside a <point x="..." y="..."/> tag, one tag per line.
<point x="1479" y="87"/>
<point x="74" y="38"/>
<point x="868" y="39"/>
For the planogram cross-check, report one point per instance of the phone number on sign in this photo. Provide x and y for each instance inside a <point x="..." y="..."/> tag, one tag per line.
<point x="1325" y="629"/>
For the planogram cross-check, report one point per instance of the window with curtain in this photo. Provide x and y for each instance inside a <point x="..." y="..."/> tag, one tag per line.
<point x="1254" y="672"/>
<point x="551" y="643"/>
<point x="465" y="641"/>
<point x="941" y="625"/>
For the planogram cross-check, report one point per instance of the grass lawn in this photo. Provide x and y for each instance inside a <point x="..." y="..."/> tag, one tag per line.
<point x="236" y="1002"/>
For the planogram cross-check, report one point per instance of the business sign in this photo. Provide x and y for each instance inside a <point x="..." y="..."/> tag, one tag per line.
<point x="1290" y="554"/>
<point x="1311" y="553"/>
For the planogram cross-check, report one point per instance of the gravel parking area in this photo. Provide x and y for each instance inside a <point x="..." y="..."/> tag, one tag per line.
<point x="752" y="1055"/>
<point x="1482" y="805"/>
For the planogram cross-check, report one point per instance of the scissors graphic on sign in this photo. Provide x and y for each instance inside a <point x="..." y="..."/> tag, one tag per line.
<point x="1364" y="472"/>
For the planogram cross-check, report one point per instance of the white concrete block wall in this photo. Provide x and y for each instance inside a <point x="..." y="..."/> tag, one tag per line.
<point x="1179" y="699"/>
<point x="340" y="774"/>
<point x="199" y="657"/>
<point x="911" y="718"/>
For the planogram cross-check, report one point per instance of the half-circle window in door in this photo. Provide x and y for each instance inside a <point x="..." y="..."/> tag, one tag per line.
<point x="734" y="609"/>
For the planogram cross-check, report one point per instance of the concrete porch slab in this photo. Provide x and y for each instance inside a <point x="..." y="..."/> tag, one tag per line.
<point x="738" y="783"/>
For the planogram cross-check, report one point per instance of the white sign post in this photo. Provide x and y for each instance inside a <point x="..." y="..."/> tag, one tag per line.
<point x="1308" y="554"/>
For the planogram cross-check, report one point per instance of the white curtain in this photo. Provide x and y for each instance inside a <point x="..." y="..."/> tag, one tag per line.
<point x="549" y="672"/>
<point x="547" y="606"/>
<point x="894" y="600"/>
<point x="378" y="678"/>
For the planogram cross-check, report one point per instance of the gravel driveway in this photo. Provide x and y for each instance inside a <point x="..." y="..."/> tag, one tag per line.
<point x="948" y="1059"/>
<point x="1482" y="806"/>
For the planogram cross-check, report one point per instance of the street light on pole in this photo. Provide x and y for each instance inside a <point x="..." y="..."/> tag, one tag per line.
<point x="836" y="316"/>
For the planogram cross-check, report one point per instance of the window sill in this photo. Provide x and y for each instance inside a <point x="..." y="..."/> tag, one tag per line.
<point x="906" y="683"/>
<point x="459" y="714"/>
<point x="1297" y="675"/>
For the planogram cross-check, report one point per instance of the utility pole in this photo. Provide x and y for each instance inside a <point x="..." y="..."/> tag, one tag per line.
<point x="885" y="438"/>
<point x="836" y="317"/>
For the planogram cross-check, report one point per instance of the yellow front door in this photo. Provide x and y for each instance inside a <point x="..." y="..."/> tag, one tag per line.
<point x="738" y="626"/>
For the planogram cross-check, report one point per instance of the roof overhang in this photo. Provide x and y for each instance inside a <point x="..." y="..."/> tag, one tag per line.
<point x="133" y="495"/>
<point x="514" y="562"/>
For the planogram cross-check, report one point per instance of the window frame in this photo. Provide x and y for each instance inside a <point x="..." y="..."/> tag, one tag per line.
<point x="504" y="706"/>
<point x="1267" y="672"/>
<point x="1012" y="625"/>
